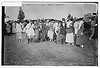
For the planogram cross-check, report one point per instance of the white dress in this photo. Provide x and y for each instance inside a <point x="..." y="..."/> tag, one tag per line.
<point x="18" y="31"/>
<point x="18" y="27"/>
<point x="70" y="38"/>
<point x="56" y="27"/>
<point x="50" y="32"/>
<point x="69" y="34"/>
<point x="29" y="30"/>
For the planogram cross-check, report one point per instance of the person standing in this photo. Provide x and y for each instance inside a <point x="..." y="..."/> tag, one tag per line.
<point x="36" y="24"/>
<point x="76" y="26"/>
<point x="40" y="31"/>
<point x="70" y="32"/>
<point x="55" y="27"/>
<point x="50" y="32"/>
<point x="79" y="35"/>
<point x="58" y="32"/>
<point x="62" y="31"/>
<point x="43" y="31"/>
<point x="19" y="31"/>
<point x="92" y="28"/>
<point x="30" y="31"/>
<point x="47" y="28"/>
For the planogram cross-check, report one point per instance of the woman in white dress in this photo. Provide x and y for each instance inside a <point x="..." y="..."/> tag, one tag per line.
<point x="30" y="31"/>
<point x="69" y="34"/>
<point x="55" y="27"/>
<point x="19" y="31"/>
<point x="50" y="32"/>
<point x="58" y="32"/>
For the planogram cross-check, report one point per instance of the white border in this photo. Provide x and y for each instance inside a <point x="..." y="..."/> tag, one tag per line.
<point x="55" y="66"/>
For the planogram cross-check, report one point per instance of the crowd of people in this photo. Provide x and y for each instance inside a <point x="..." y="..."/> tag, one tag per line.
<point x="65" y="31"/>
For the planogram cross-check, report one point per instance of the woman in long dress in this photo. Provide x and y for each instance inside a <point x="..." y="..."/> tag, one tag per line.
<point x="50" y="32"/>
<point x="43" y="31"/>
<point x="79" y="38"/>
<point x="19" y="31"/>
<point x="36" y="24"/>
<point x="58" y="32"/>
<point x="62" y="32"/>
<point x="69" y="34"/>
<point x="55" y="27"/>
<point x="76" y="27"/>
<point x="47" y="29"/>
<point x="93" y="25"/>
<point x="30" y="31"/>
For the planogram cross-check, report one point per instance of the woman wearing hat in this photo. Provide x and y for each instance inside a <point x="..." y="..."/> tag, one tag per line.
<point x="19" y="31"/>
<point x="79" y="35"/>
<point x="69" y="32"/>
<point x="30" y="31"/>
<point x="36" y="24"/>
<point x="50" y="31"/>
<point x="62" y="31"/>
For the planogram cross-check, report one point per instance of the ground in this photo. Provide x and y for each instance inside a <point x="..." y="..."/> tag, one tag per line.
<point x="48" y="53"/>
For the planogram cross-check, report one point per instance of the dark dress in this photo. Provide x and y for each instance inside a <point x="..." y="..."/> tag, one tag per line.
<point x="43" y="35"/>
<point x="79" y="38"/>
<point x="62" y="33"/>
<point x="54" y="36"/>
<point x="37" y="32"/>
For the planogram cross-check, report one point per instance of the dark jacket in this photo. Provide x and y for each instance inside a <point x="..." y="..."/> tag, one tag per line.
<point x="63" y="29"/>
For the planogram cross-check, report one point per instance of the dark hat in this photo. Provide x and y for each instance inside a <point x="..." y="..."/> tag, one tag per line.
<point x="63" y="19"/>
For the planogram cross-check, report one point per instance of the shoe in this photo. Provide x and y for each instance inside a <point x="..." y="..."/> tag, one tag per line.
<point x="57" y="42"/>
<point x="73" y="44"/>
<point x="82" y="46"/>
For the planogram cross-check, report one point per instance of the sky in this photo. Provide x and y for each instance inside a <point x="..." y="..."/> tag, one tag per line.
<point x="55" y="11"/>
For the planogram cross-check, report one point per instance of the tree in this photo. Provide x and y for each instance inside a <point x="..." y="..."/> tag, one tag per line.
<point x="21" y="15"/>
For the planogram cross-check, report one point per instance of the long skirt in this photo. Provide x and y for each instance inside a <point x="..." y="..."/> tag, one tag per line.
<point x="18" y="35"/>
<point x="43" y="35"/>
<point x="30" y="33"/>
<point x="50" y="34"/>
<point x="13" y="30"/>
<point x="54" y="36"/>
<point x="70" y="38"/>
<point x="79" y="40"/>
<point x="76" y="30"/>
<point x="58" y="37"/>
<point x="37" y="34"/>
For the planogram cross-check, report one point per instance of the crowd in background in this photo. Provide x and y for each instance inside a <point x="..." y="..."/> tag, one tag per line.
<point x="65" y="31"/>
